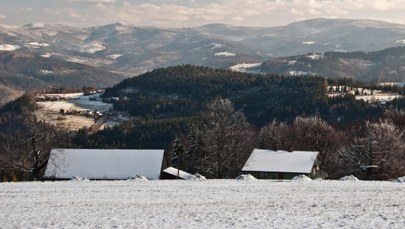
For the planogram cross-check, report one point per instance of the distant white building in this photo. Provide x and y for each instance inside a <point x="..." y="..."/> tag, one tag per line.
<point x="269" y="164"/>
<point x="104" y="164"/>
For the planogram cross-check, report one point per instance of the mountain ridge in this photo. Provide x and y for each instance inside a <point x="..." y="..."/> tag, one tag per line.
<point x="134" y="50"/>
<point x="151" y="45"/>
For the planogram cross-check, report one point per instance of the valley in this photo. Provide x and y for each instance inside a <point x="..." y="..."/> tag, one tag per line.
<point x="288" y="87"/>
<point x="73" y="111"/>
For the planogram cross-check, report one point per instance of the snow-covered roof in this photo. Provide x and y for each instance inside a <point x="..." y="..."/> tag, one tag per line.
<point x="177" y="173"/>
<point x="280" y="161"/>
<point x="104" y="163"/>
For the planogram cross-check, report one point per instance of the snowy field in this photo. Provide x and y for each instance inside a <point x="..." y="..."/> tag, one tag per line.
<point x="378" y="97"/>
<point x="247" y="67"/>
<point x="76" y="101"/>
<point x="209" y="204"/>
<point x="50" y="110"/>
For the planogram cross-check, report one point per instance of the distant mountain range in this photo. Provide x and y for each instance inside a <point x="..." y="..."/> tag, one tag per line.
<point x="112" y="52"/>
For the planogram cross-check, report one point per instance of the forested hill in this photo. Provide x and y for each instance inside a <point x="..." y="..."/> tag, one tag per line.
<point x="183" y="91"/>
<point x="373" y="67"/>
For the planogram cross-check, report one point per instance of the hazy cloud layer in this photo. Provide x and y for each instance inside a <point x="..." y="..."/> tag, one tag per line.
<point x="183" y="13"/>
<point x="96" y="1"/>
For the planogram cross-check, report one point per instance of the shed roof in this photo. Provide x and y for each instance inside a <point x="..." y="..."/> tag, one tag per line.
<point x="104" y="163"/>
<point x="178" y="173"/>
<point x="262" y="160"/>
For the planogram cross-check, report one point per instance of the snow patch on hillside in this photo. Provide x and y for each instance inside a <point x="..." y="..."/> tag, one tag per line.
<point x="225" y="54"/>
<point x="114" y="56"/>
<point x="246" y="67"/>
<point x="93" y="47"/>
<point x="382" y="97"/>
<point x="399" y="84"/>
<point x="46" y="72"/>
<point x="214" y="45"/>
<point x="400" y="41"/>
<point x="297" y="73"/>
<point x="51" y="33"/>
<point x="47" y="55"/>
<point x="36" y="45"/>
<point x="308" y="42"/>
<point x="81" y="37"/>
<point x="315" y="56"/>
<point x="77" y="60"/>
<point x="122" y="28"/>
<point x="77" y="101"/>
<point x="8" y="47"/>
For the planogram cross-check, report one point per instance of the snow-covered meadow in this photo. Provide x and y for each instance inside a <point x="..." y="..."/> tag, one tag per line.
<point x="50" y="110"/>
<point x="207" y="204"/>
<point x="247" y="67"/>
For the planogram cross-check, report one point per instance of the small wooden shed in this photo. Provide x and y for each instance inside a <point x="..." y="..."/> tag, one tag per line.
<point x="171" y="173"/>
<point x="269" y="164"/>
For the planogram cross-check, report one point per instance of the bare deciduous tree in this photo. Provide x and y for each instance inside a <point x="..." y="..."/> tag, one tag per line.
<point x="397" y="117"/>
<point x="25" y="151"/>
<point x="388" y="149"/>
<point x="225" y="141"/>
<point x="276" y="136"/>
<point x="354" y="159"/>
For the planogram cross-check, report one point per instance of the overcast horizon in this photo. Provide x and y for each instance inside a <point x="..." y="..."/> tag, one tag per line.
<point x="190" y="13"/>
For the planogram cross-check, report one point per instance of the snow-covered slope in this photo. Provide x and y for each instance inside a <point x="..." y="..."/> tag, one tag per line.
<point x="210" y="204"/>
<point x="8" y="47"/>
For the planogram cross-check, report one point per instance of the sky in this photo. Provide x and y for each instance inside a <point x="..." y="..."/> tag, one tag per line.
<point x="189" y="13"/>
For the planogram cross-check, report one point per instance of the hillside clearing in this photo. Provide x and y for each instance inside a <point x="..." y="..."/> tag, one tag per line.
<point x="50" y="110"/>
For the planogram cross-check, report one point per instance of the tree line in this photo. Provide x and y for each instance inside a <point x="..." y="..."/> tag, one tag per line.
<point x="221" y="144"/>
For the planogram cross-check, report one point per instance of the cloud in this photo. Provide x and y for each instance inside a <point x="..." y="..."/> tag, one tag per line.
<point x="383" y="5"/>
<point x="101" y="5"/>
<point x="248" y="12"/>
<point x="185" y="13"/>
<point x="92" y="1"/>
<point x="2" y="16"/>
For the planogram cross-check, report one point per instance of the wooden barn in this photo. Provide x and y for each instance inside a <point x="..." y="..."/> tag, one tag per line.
<point x="269" y="164"/>
<point x="104" y="164"/>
